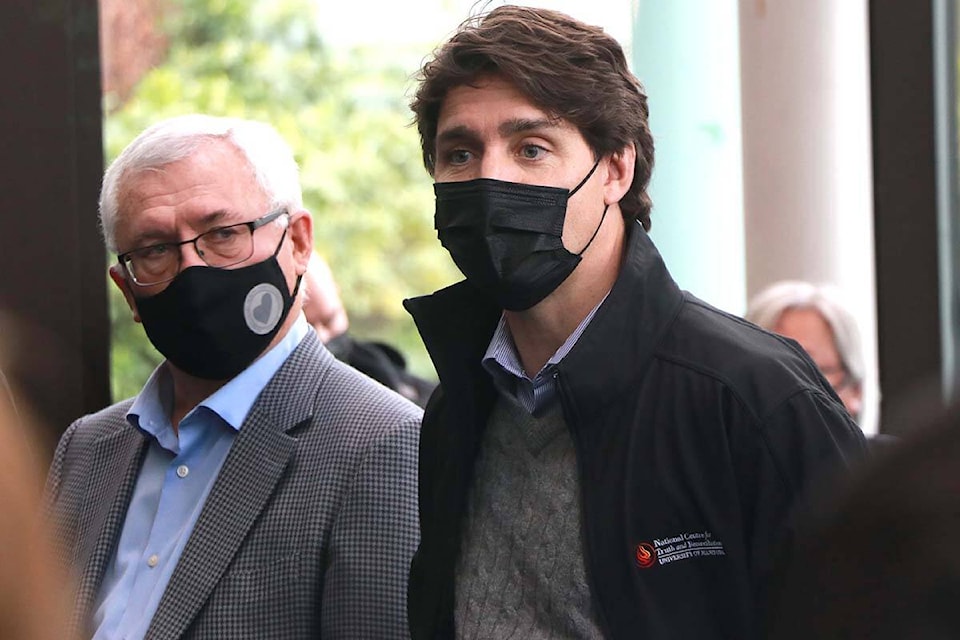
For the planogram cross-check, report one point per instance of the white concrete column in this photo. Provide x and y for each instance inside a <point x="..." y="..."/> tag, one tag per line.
<point x="686" y="54"/>
<point x="808" y="207"/>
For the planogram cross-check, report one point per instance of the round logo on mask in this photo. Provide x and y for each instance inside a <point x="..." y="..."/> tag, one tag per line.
<point x="263" y="308"/>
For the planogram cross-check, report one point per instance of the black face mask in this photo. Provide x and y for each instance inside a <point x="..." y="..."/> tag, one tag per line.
<point x="506" y="237"/>
<point x="212" y="323"/>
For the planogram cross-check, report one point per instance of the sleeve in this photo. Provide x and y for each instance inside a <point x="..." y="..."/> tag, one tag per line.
<point x="372" y="542"/>
<point x="808" y="445"/>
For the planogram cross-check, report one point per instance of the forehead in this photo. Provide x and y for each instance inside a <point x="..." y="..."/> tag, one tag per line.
<point x="484" y="105"/>
<point x="808" y="327"/>
<point x="214" y="166"/>
<point x="214" y="177"/>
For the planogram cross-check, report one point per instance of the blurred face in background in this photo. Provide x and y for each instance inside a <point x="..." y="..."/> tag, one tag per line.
<point x="810" y="329"/>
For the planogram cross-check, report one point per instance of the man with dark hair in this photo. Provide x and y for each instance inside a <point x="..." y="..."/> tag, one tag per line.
<point x="606" y="455"/>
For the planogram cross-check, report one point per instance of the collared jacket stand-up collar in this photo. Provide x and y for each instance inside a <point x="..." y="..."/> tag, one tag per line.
<point x="696" y="434"/>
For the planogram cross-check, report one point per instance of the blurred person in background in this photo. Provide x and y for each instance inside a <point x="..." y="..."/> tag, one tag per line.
<point x="35" y="596"/>
<point x="256" y="487"/>
<point x="820" y="321"/>
<point x="324" y="309"/>
<point x="882" y="562"/>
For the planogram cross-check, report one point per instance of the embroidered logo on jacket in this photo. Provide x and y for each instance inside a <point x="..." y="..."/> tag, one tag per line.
<point x="646" y="555"/>
<point x="683" y="546"/>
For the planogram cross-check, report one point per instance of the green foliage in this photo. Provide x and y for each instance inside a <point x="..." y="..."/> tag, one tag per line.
<point x="345" y="117"/>
<point x="132" y="356"/>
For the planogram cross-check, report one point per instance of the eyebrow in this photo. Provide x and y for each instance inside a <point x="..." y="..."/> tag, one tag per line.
<point x="210" y="220"/>
<point x="524" y="125"/>
<point x="505" y="129"/>
<point x="457" y="134"/>
<point x="156" y="236"/>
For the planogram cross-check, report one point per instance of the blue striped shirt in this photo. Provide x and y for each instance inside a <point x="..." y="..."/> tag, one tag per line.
<point x="502" y="362"/>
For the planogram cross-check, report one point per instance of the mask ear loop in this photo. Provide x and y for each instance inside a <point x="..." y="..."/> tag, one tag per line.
<point x="276" y="252"/>
<point x="584" y="181"/>
<point x="595" y="231"/>
<point x="296" y="287"/>
<point x="605" y="207"/>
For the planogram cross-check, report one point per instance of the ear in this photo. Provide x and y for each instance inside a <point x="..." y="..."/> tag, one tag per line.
<point x="620" y="166"/>
<point x="301" y="236"/>
<point x="120" y="279"/>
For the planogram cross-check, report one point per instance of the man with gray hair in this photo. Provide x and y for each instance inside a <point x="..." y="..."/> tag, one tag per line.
<point x="818" y="319"/>
<point x="256" y="487"/>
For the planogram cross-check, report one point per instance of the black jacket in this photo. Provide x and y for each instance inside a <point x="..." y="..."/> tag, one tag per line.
<point x="696" y="433"/>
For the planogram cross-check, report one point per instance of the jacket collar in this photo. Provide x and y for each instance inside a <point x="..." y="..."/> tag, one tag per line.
<point x="457" y="322"/>
<point x="615" y="350"/>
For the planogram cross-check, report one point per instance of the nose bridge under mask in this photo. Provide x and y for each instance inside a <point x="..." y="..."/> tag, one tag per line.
<point x="506" y="237"/>
<point x="486" y="204"/>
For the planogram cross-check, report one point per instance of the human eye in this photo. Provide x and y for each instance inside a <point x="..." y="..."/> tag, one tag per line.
<point x="457" y="157"/>
<point x="151" y="262"/>
<point x="223" y="234"/>
<point x="531" y="151"/>
<point x="153" y="252"/>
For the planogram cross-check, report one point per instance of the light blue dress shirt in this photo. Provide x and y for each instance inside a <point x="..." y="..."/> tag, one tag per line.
<point x="175" y="479"/>
<point x="502" y="362"/>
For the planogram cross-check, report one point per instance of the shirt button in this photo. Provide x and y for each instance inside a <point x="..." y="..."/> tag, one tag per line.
<point x="183" y="470"/>
<point x="153" y="560"/>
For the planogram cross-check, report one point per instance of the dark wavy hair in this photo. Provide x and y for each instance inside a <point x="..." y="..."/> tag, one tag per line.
<point x="569" y="69"/>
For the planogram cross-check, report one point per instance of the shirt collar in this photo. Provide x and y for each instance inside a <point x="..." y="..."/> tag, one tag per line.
<point x="233" y="400"/>
<point x="502" y="353"/>
<point x="151" y="409"/>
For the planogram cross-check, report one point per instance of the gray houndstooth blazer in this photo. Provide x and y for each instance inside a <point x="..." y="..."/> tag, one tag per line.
<point x="308" y="530"/>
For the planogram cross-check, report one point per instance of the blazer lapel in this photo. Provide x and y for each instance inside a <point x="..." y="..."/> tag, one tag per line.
<point x="254" y="466"/>
<point x="117" y="460"/>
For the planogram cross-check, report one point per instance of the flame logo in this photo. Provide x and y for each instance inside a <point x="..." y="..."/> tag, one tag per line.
<point x="646" y="555"/>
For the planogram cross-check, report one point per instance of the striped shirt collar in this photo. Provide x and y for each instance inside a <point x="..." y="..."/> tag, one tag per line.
<point x="502" y="362"/>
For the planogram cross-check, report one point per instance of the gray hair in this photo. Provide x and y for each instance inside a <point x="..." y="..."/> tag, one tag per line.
<point x="767" y="306"/>
<point x="266" y="152"/>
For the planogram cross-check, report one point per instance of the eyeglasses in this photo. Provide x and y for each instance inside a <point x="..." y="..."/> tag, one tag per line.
<point x="220" y="247"/>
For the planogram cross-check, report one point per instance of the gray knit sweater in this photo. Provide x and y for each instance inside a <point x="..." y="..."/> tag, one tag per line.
<point x="521" y="572"/>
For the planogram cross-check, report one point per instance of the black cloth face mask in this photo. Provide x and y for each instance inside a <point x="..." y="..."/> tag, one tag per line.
<point x="505" y="237"/>
<point x="212" y="323"/>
